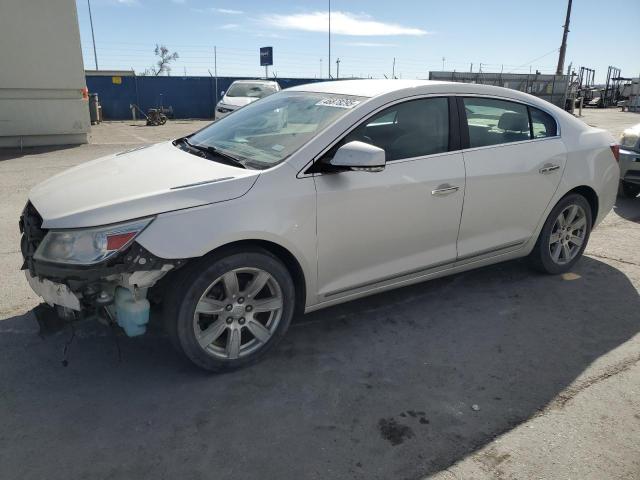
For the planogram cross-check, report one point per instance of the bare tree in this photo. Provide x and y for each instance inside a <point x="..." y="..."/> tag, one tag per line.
<point x="164" y="58"/>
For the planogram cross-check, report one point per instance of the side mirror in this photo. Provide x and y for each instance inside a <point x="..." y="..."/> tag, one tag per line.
<point x="222" y="93"/>
<point x="359" y="156"/>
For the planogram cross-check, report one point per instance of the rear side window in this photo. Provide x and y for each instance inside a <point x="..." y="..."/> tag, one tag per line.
<point x="542" y="124"/>
<point x="492" y="121"/>
<point x="411" y="129"/>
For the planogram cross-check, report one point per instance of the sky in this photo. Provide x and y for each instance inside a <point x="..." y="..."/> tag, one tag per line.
<point x="422" y="35"/>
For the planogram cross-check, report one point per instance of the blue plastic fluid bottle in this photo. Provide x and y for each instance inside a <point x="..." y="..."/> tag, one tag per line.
<point x="131" y="314"/>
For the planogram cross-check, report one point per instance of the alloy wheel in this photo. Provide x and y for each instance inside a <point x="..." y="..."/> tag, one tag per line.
<point x="568" y="234"/>
<point x="238" y="313"/>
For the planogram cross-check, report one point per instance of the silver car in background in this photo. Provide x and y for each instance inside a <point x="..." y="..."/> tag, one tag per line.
<point x="244" y="92"/>
<point x="630" y="162"/>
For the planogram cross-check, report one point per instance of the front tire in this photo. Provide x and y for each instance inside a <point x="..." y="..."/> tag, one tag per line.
<point x="227" y="312"/>
<point x="564" y="236"/>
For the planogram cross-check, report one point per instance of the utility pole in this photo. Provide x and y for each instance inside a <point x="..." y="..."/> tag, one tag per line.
<point x="320" y="68"/>
<point x="337" y="68"/>
<point x="215" y="71"/>
<point x="95" y="55"/>
<point x="329" y="40"/>
<point x="443" y="59"/>
<point x="393" y="70"/>
<point x="471" y="68"/>
<point x="563" y="47"/>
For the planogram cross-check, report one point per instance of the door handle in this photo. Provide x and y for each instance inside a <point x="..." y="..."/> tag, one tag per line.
<point x="548" y="168"/>
<point x="443" y="190"/>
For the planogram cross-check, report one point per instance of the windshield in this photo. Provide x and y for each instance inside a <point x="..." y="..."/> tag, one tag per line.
<point x="253" y="90"/>
<point x="266" y="132"/>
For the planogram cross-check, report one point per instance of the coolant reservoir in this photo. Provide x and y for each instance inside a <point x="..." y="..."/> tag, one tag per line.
<point x="131" y="314"/>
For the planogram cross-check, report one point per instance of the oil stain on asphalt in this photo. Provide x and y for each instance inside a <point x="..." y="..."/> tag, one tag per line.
<point x="395" y="432"/>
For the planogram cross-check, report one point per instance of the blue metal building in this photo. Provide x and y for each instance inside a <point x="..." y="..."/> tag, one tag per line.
<point x="189" y="97"/>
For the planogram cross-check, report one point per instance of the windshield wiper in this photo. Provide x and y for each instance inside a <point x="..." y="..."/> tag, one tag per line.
<point x="228" y="159"/>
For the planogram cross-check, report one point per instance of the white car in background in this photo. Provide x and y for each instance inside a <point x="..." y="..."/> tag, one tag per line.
<point x="369" y="185"/>
<point x="243" y="92"/>
<point x="630" y="162"/>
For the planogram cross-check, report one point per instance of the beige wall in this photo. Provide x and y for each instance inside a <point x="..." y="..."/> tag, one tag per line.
<point x="41" y="74"/>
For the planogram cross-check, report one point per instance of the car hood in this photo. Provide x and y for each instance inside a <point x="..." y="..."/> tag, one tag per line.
<point x="136" y="183"/>
<point x="238" y="101"/>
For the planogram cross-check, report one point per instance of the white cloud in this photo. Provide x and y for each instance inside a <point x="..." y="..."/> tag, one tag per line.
<point x="179" y="2"/>
<point x="342" y="23"/>
<point x="369" y="44"/>
<point x="127" y="2"/>
<point x="268" y="35"/>
<point x="229" y="26"/>
<point x="228" y="11"/>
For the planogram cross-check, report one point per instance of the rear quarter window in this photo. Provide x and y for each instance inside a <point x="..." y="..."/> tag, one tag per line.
<point x="542" y="124"/>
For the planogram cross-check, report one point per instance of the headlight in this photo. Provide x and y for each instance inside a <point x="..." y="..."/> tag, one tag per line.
<point x="88" y="246"/>
<point x="629" y="139"/>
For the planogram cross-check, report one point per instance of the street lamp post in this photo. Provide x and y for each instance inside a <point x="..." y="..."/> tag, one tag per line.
<point x="329" y="39"/>
<point x="95" y="55"/>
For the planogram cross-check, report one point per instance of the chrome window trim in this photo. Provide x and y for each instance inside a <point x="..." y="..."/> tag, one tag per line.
<point x="302" y="172"/>
<point x="500" y="145"/>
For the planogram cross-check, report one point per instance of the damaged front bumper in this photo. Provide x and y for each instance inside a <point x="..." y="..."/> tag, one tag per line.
<point x="113" y="291"/>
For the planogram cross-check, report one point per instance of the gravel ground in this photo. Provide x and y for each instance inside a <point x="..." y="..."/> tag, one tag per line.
<point x="495" y="373"/>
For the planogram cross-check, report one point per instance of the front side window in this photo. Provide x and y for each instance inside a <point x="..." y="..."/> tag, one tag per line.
<point x="266" y="132"/>
<point x="492" y="121"/>
<point x="252" y="90"/>
<point x="411" y="129"/>
<point x="543" y="124"/>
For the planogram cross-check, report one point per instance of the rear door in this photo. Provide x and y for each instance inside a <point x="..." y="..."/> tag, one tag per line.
<point x="514" y="160"/>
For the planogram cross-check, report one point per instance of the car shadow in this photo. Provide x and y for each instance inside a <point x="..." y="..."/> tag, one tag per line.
<point x="11" y="153"/>
<point x="628" y="208"/>
<point x="398" y="385"/>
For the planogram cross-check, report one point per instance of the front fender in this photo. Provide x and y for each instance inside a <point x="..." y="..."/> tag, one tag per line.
<point x="281" y="214"/>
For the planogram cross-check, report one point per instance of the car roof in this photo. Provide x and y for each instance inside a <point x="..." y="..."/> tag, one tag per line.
<point x="375" y="88"/>
<point x="390" y="89"/>
<point x="363" y="88"/>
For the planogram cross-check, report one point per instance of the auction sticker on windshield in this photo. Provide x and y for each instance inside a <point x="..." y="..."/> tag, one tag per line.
<point x="338" y="102"/>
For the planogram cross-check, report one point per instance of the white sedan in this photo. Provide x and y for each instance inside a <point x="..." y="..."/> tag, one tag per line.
<point x="310" y="197"/>
<point x="243" y="92"/>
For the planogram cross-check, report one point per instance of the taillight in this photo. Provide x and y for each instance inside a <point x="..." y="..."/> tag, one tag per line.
<point x="615" y="149"/>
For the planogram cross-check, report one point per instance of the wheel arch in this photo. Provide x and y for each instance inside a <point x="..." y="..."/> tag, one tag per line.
<point x="590" y="195"/>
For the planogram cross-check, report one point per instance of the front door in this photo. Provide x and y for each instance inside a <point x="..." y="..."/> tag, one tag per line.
<point x="513" y="166"/>
<point x="389" y="225"/>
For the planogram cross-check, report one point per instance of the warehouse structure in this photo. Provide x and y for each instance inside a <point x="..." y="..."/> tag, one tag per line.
<point x="41" y="75"/>
<point x="552" y="88"/>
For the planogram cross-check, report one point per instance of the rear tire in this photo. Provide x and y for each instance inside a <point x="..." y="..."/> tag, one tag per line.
<point x="564" y="236"/>
<point x="227" y="311"/>
<point x="628" y="190"/>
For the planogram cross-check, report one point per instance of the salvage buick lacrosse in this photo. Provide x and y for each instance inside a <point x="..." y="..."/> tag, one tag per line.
<point x="310" y="197"/>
